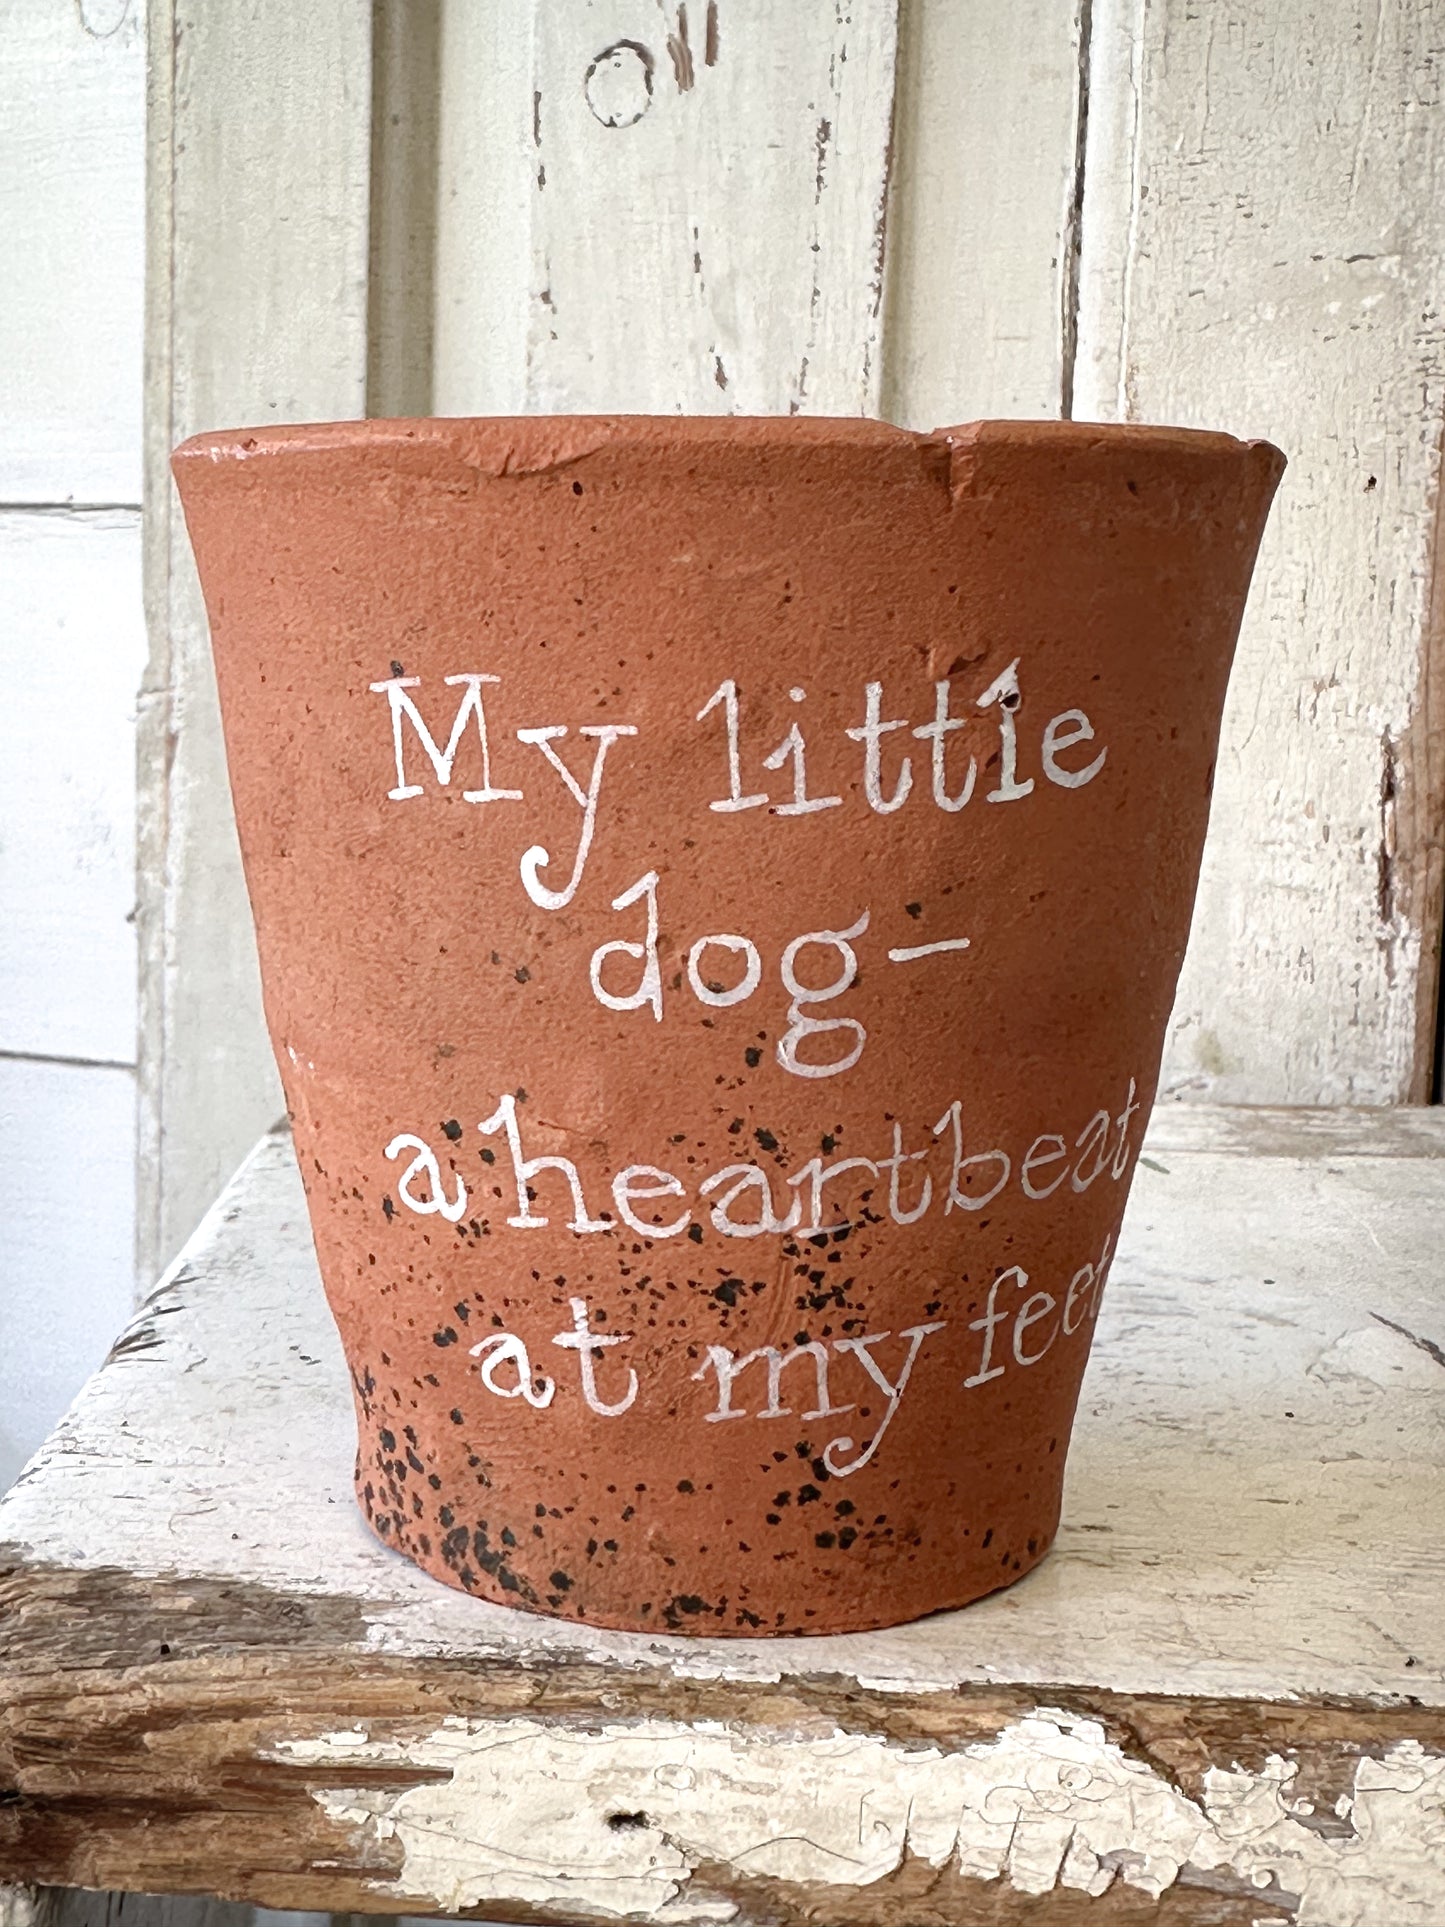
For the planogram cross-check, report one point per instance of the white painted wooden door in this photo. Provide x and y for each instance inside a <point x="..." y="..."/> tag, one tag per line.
<point x="934" y="210"/>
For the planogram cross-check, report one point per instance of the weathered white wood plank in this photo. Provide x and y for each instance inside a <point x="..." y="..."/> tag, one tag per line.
<point x="663" y="208"/>
<point x="72" y="648"/>
<point x="67" y="1149"/>
<point x="259" y="210"/>
<point x="486" y="178"/>
<point x="1263" y="251"/>
<point x="1226" y="1685"/>
<point x="981" y="213"/>
<point x="1254" y="1419"/>
<point x="72" y="83"/>
<point x="1257" y="1130"/>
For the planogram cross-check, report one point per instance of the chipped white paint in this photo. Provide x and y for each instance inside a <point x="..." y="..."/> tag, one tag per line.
<point x="1262" y="250"/>
<point x="1253" y="1494"/>
<point x="696" y="207"/>
<point x="1051" y="1803"/>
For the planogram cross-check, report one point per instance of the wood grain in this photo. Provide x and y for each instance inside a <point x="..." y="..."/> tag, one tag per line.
<point x="180" y="1780"/>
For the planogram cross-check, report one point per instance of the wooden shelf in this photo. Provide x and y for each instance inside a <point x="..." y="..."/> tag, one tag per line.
<point x="1221" y="1699"/>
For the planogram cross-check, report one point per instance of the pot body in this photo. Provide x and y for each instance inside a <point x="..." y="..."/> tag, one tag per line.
<point x="720" y="887"/>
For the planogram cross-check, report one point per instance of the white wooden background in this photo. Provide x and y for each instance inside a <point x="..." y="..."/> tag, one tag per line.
<point x="931" y="209"/>
<point x="72" y="644"/>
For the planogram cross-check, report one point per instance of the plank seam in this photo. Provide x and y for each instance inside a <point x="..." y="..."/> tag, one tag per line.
<point x="63" y="1057"/>
<point x="1069" y="278"/>
<point x="70" y="508"/>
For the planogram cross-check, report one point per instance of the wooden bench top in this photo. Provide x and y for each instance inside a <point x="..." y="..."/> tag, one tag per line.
<point x="1220" y="1700"/>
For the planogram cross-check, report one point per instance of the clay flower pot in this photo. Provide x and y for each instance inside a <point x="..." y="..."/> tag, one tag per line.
<point x="720" y="886"/>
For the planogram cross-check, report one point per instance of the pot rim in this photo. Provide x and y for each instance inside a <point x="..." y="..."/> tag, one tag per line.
<point x="518" y="444"/>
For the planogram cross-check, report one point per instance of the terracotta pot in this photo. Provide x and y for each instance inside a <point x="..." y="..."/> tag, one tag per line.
<point x="720" y="886"/>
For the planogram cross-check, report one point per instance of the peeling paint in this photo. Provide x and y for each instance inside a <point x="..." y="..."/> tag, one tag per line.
<point x="616" y="1819"/>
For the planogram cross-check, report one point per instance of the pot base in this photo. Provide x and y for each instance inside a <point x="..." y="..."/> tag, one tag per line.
<point x="481" y="1573"/>
<point x="618" y="1571"/>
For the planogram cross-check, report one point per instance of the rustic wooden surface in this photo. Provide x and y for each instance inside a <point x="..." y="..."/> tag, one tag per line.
<point x="1222" y="1699"/>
